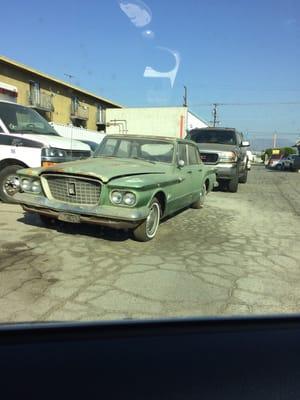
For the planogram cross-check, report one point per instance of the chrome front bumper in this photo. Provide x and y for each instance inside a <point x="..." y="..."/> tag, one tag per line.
<point x="113" y="216"/>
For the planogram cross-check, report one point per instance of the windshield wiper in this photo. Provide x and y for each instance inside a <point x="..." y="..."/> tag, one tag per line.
<point x="144" y="159"/>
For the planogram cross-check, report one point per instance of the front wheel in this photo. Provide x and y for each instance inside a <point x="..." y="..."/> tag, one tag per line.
<point x="9" y="183"/>
<point x="147" y="230"/>
<point x="200" y="203"/>
<point x="233" y="184"/>
<point x="244" y="177"/>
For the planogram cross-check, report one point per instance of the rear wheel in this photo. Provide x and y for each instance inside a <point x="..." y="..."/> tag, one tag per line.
<point x="200" y="203"/>
<point x="147" y="230"/>
<point x="9" y="183"/>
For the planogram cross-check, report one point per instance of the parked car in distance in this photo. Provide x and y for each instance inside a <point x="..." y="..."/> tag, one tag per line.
<point x="286" y="163"/>
<point x="130" y="182"/>
<point x="224" y="148"/>
<point x="273" y="161"/>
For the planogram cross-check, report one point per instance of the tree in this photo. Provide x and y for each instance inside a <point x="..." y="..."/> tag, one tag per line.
<point x="286" y="151"/>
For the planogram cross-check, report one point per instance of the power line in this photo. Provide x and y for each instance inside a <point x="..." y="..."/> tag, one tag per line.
<point x="250" y="131"/>
<point x="247" y="104"/>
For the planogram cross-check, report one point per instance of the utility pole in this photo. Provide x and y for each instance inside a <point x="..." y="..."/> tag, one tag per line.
<point x="274" y="140"/>
<point x="215" y="113"/>
<point x="185" y="104"/>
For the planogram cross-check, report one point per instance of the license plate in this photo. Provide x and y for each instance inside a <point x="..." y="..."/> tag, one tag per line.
<point x="73" y="218"/>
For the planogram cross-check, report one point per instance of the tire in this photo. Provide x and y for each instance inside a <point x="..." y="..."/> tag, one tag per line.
<point x="244" y="177"/>
<point x="278" y="167"/>
<point x="233" y="184"/>
<point x="200" y="203"/>
<point x="147" y="230"/>
<point x="7" y="186"/>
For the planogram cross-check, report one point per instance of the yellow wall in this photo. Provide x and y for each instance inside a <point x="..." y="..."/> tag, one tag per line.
<point x="62" y="95"/>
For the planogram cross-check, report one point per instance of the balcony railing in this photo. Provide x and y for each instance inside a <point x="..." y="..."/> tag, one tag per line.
<point x="79" y="111"/>
<point x="41" y="101"/>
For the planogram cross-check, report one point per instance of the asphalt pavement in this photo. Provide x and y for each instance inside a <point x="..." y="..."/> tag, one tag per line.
<point x="238" y="255"/>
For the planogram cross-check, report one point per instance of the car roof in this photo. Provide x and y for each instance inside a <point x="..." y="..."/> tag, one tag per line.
<point x="150" y="137"/>
<point x="213" y="128"/>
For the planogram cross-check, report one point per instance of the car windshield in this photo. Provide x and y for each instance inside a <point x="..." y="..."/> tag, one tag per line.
<point x="144" y="149"/>
<point x="213" y="136"/>
<point x="19" y="119"/>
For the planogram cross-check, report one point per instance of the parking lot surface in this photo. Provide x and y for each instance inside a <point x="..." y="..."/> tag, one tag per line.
<point x="238" y="255"/>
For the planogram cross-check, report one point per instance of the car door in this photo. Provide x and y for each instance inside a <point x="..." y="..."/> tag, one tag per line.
<point x="180" y="195"/>
<point x="197" y="171"/>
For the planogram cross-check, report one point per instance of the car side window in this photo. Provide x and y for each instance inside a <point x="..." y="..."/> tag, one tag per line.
<point x="182" y="155"/>
<point x="193" y="155"/>
<point x="123" y="149"/>
<point x="109" y="147"/>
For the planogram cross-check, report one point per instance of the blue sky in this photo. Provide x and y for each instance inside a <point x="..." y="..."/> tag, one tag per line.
<point x="231" y="51"/>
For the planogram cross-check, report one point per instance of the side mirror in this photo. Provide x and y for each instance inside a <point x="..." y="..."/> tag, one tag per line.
<point x="181" y="163"/>
<point x="245" y="143"/>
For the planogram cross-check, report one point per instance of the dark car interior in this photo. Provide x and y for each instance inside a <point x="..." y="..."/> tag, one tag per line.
<point x="241" y="358"/>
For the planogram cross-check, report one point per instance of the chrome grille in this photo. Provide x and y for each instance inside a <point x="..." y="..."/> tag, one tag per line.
<point x="74" y="190"/>
<point x="209" y="158"/>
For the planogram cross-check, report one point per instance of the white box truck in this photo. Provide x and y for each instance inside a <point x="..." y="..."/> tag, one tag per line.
<point x="27" y="140"/>
<point x="158" y="121"/>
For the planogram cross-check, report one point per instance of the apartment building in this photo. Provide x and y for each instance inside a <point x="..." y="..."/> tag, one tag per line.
<point x="58" y="101"/>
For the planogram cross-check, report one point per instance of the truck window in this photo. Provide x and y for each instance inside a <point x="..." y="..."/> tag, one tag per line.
<point x="20" y="119"/>
<point x="213" y="136"/>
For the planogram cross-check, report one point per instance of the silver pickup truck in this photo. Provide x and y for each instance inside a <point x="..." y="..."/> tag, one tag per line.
<point x="226" y="149"/>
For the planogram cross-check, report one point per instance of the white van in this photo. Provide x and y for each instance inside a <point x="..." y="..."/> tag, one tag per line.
<point x="28" y="140"/>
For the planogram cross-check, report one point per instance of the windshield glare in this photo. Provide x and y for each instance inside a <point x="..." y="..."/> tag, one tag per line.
<point x="20" y="119"/>
<point x="149" y="150"/>
<point x="214" y="136"/>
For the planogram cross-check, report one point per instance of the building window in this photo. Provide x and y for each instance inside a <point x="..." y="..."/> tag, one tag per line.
<point x="34" y="88"/>
<point x="100" y="120"/>
<point x="74" y="105"/>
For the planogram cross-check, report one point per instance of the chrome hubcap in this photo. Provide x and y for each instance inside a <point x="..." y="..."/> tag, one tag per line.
<point x="11" y="185"/>
<point x="152" y="220"/>
<point x="203" y="193"/>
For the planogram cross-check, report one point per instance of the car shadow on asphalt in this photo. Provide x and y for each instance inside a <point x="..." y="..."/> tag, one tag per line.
<point x="96" y="231"/>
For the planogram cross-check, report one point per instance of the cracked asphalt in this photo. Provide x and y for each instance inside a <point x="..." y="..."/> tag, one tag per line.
<point x="238" y="255"/>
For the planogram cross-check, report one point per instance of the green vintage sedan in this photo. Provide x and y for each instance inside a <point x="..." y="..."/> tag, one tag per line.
<point x="131" y="182"/>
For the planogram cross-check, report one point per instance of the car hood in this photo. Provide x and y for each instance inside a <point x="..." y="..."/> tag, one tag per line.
<point x="55" y="141"/>
<point x="104" y="168"/>
<point x="216" y="147"/>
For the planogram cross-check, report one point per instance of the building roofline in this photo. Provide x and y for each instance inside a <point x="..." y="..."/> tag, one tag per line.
<point x="51" y="78"/>
<point x="197" y="116"/>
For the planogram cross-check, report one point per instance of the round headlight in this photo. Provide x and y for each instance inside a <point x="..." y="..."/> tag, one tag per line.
<point x="129" y="199"/>
<point x="26" y="185"/>
<point x="52" y="153"/>
<point x="36" y="187"/>
<point x="61" y="153"/>
<point x="116" y="197"/>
